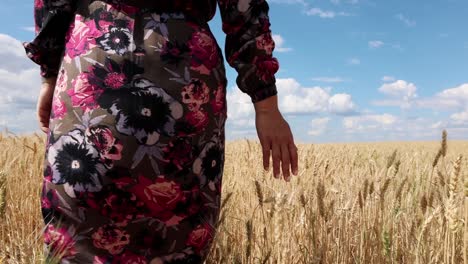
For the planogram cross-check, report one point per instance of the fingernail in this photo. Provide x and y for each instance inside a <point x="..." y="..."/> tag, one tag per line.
<point x="295" y="172"/>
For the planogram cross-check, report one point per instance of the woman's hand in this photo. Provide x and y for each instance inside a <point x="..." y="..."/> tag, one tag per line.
<point x="275" y="135"/>
<point x="44" y="103"/>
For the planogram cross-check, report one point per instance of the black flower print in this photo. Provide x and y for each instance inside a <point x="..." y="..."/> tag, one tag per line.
<point x="209" y="164"/>
<point x="142" y="110"/>
<point x="118" y="40"/>
<point x="75" y="163"/>
<point x="114" y="75"/>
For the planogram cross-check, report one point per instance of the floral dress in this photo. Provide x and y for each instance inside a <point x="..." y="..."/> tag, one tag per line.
<point x="135" y="150"/>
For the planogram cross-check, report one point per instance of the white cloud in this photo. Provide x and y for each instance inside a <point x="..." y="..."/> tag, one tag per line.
<point x="315" y="11"/>
<point x="437" y="125"/>
<point x="290" y="2"/>
<point x="318" y="126"/>
<point x="452" y="98"/>
<point x="320" y="13"/>
<point x="375" y="44"/>
<point x="293" y="98"/>
<point x="19" y="87"/>
<point x="328" y="79"/>
<point x="368" y="122"/>
<point x="337" y="2"/>
<point x="279" y="42"/>
<point x="341" y="104"/>
<point x="460" y="118"/>
<point x="354" y="61"/>
<point x="30" y="29"/>
<point x="388" y="79"/>
<point x="407" y="21"/>
<point x="298" y="99"/>
<point x="399" y="88"/>
<point x="402" y="94"/>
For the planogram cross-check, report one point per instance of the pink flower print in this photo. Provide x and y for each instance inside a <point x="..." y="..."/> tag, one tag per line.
<point x="265" y="42"/>
<point x="115" y="80"/>
<point x="81" y="39"/>
<point x="102" y="138"/>
<point x="83" y="93"/>
<point x="59" y="242"/>
<point x="58" y="108"/>
<point x="62" y="81"/>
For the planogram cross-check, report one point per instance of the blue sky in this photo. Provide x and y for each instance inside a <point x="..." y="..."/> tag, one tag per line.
<point x="350" y="70"/>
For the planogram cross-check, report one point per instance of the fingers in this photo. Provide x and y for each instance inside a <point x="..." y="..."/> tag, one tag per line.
<point x="276" y="155"/>
<point x="294" y="157"/>
<point x="285" y="162"/>
<point x="44" y="123"/>
<point x="43" y="118"/>
<point x="266" y="146"/>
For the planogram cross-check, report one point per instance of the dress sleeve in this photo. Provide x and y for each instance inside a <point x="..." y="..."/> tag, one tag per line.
<point x="52" y="19"/>
<point x="249" y="46"/>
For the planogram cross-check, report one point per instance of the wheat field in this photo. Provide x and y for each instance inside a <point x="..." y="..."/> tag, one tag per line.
<point x="389" y="202"/>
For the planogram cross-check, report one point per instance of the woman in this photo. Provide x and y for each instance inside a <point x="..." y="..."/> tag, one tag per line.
<point x="133" y="102"/>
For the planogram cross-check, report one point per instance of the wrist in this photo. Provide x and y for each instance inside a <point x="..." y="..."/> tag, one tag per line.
<point x="269" y="104"/>
<point x="49" y="80"/>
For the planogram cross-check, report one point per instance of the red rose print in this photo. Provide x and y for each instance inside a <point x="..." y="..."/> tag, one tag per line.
<point x="160" y="196"/>
<point x="197" y="119"/>
<point x="195" y="94"/>
<point x="266" y="67"/>
<point x="102" y="138"/>
<point x="130" y="258"/>
<point x="204" y="52"/>
<point x="217" y="104"/>
<point x="178" y="152"/>
<point x="200" y="237"/>
<point x="111" y="238"/>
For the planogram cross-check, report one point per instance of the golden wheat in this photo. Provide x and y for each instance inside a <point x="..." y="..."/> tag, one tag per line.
<point x="351" y="203"/>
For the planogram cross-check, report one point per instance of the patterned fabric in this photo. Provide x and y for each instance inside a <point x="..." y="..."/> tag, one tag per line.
<point x="135" y="154"/>
<point x="249" y="44"/>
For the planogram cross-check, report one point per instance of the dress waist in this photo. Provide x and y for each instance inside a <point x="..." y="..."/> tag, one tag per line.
<point x="163" y="6"/>
<point x="189" y="8"/>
